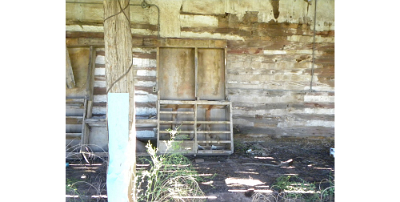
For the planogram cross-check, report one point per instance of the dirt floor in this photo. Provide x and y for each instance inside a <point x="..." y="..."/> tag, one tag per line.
<point x="243" y="176"/>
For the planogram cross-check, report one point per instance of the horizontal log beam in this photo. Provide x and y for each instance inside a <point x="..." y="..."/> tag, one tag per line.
<point x="78" y="39"/>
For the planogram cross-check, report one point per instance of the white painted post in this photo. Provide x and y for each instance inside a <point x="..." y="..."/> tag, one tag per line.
<point x="118" y="131"/>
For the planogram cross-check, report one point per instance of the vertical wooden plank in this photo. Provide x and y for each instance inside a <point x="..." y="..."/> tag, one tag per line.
<point x="89" y="85"/>
<point x="176" y="76"/>
<point x="174" y="109"/>
<point x="85" y="132"/>
<point x="69" y="73"/>
<point x="158" y="97"/>
<point x="196" y="64"/>
<point x="157" y="73"/>
<point x="195" y="146"/>
<point x="211" y="74"/>
<point x="90" y="81"/>
<point x="158" y="123"/>
<point x="226" y="74"/>
<point x="231" y="125"/>
<point x="207" y="126"/>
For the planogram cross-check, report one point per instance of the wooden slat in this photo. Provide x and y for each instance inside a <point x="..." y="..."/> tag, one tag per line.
<point x="225" y="73"/>
<point x="180" y="106"/>
<point x="175" y="112"/>
<point x="73" y="119"/>
<point x="200" y="102"/>
<point x="213" y="122"/>
<point x="158" y="115"/>
<point x="214" y="152"/>
<point x="96" y="122"/>
<point x="77" y="40"/>
<point x="71" y="101"/>
<point x="146" y="121"/>
<point x="184" y="131"/>
<point x="231" y="126"/>
<point x="69" y="73"/>
<point x="214" y="131"/>
<point x="176" y="122"/>
<point x="85" y="130"/>
<point x="214" y="141"/>
<point x="74" y="107"/>
<point x="73" y="135"/>
<point x="196" y="72"/>
<point x="195" y="147"/>
<point x="90" y="81"/>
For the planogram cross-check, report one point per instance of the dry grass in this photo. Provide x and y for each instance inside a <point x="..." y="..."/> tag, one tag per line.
<point x="91" y="188"/>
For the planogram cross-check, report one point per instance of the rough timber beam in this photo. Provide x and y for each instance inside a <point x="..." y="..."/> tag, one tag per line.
<point x="120" y="77"/>
<point x="69" y="73"/>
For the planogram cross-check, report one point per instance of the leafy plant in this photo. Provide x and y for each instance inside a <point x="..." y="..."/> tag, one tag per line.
<point x="170" y="177"/>
<point x="71" y="189"/>
<point x="329" y="192"/>
<point x="240" y="147"/>
<point x="293" y="187"/>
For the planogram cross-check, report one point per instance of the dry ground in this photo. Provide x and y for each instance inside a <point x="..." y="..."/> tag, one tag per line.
<point x="232" y="175"/>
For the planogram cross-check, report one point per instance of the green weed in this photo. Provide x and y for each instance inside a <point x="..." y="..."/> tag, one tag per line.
<point x="170" y="177"/>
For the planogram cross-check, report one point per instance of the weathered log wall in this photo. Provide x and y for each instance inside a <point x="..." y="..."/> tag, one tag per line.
<point x="269" y="60"/>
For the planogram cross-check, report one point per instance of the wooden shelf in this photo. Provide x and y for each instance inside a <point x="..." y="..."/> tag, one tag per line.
<point x="166" y="132"/>
<point x="214" y="152"/>
<point x="221" y="128"/>
<point x="213" y="131"/>
<point x="213" y="141"/>
<point x="175" y="112"/>
<point x="176" y="122"/>
<point x="213" y="122"/>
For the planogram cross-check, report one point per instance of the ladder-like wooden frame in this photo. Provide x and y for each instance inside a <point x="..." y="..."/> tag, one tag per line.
<point x="195" y="144"/>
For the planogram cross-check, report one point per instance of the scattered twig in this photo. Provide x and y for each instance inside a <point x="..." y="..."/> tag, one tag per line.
<point x="285" y="163"/>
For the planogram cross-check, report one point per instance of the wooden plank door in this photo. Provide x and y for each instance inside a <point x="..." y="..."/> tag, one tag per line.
<point x="176" y="74"/>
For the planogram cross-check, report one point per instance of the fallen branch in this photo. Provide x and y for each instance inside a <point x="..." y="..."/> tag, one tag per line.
<point x="285" y="163"/>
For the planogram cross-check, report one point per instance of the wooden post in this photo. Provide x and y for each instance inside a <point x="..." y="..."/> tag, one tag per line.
<point x="69" y="72"/>
<point x="90" y="81"/>
<point x="119" y="75"/>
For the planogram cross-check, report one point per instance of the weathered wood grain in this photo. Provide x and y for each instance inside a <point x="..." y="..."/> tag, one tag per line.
<point x="69" y="73"/>
<point x="118" y="53"/>
<point x="268" y="61"/>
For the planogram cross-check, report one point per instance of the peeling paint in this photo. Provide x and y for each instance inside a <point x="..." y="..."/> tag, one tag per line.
<point x="318" y="98"/>
<point x="146" y="98"/>
<point x="269" y="46"/>
<point x="100" y="59"/>
<point x="99" y="71"/>
<point x="185" y="34"/>
<point x="198" y="21"/>
<point x="146" y="73"/>
<point x="309" y="39"/>
<point x="141" y="111"/>
<point x="287" y="124"/>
